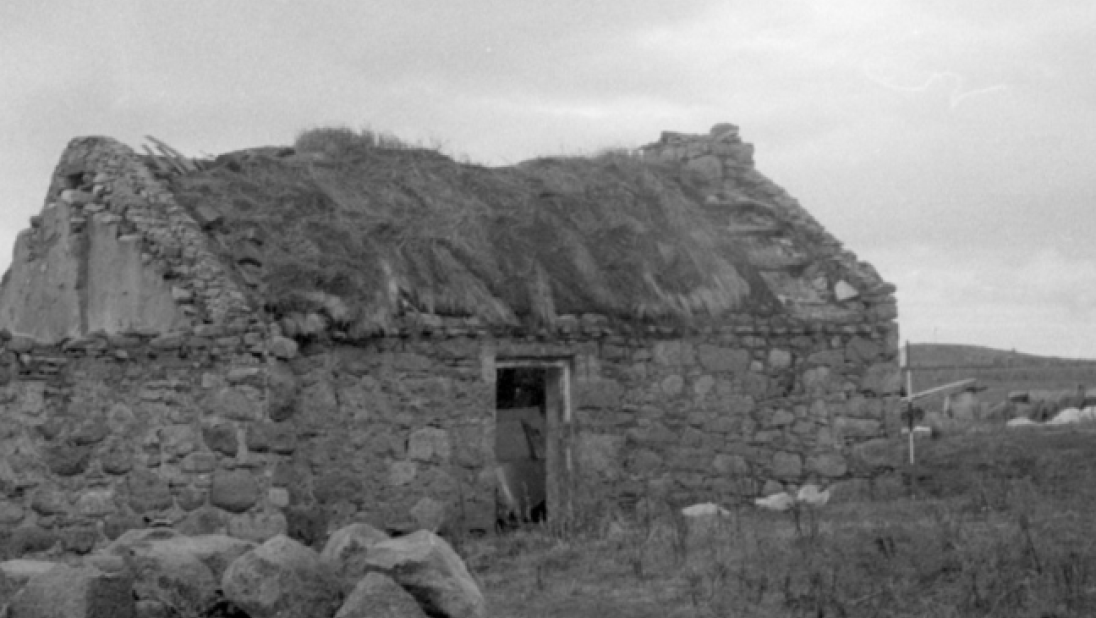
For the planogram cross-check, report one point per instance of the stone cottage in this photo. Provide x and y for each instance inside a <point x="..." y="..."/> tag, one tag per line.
<point x="341" y="331"/>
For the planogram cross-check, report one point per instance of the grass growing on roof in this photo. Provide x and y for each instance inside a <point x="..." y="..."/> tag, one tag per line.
<point x="391" y="228"/>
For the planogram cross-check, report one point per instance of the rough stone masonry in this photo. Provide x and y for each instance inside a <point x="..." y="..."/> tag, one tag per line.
<point x="138" y="386"/>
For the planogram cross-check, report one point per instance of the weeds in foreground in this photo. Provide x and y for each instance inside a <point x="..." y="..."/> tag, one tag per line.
<point x="1028" y="556"/>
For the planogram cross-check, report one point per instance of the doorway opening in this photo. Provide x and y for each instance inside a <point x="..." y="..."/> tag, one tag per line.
<point x="532" y="425"/>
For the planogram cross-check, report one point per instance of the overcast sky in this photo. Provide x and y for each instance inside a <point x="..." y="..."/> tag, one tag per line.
<point x="950" y="143"/>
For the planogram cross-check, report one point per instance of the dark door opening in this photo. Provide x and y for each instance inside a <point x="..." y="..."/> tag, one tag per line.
<point x="521" y="444"/>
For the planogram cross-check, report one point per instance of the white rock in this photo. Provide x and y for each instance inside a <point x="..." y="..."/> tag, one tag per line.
<point x="1022" y="421"/>
<point x="776" y="502"/>
<point x="21" y="570"/>
<point x="706" y="509"/>
<point x="843" y="291"/>
<point x="1067" y="416"/>
<point x="812" y="495"/>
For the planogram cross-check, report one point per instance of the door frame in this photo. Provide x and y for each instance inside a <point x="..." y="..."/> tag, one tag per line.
<point x="559" y="464"/>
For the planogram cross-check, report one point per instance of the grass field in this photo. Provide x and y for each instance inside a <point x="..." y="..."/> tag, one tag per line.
<point x="999" y="371"/>
<point x="989" y="523"/>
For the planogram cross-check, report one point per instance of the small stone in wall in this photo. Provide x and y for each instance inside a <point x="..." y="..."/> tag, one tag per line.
<point x="147" y="492"/>
<point x="200" y="462"/>
<point x="429" y="514"/>
<point x="283" y="348"/>
<point x="221" y="438"/>
<point x="235" y="491"/>
<point x="11" y="513"/>
<point x="337" y="487"/>
<point x="780" y="359"/>
<point x="781" y="417"/>
<point x="190" y="498"/>
<point x="730" y="464"/>
<point x="787" y="465"/>
<point x="278" y="497"/>
<point x="96" y="503"/>
<point x="429" y="444"/>
<point x="49" y="502"/>
<point x="178" y="440"/>
<point x="67" y="459"/>
<point x="827" y="464"/>
<point x="283" y="392"/>
<point x="257" y="527"/>
<point x="862" y="350"/>
<point x="204" y="520"/>
<point x="672" y="385"/>
<point x="716" y="358"/>
<point x="843" y="291"/>
<point x="233" y="404"/>
<point x="703" y="385"/>
<point x="402" y="473"/>
<point x="882" y="379"/>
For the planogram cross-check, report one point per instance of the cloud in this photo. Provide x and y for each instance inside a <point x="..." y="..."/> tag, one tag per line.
<point x="1033" y="304"/>
<point x="948" y="143"/>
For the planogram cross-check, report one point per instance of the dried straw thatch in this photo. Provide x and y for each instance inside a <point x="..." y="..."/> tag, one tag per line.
<point x="390" y="231"/>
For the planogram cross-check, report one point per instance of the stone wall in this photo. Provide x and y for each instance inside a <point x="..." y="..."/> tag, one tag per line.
<point x="108" y="433"/>
<point x="112" y="251"/>
<point x="208" y="431"/>
<point x="825" y="282"/>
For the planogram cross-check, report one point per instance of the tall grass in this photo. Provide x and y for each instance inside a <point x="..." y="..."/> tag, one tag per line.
<point x="341" y="142"/>
<point x="1011" y="540"/>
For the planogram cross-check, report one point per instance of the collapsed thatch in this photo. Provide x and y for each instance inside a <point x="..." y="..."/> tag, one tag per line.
<point x="374" y="233"/>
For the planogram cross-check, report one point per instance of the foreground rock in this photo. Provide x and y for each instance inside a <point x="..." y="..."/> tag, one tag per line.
<point x="345" y="551"/>
<point x="377" y="596"/>
<point x="22" y="571"/>
<point x="427" y="567"/>
<point x="176" y="573"/>
<point x="215" y="551"/>
<point x="282" y="578"/>
<point x="66" y="592"/>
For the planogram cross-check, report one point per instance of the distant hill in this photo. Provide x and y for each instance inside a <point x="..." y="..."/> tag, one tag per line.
<point x="999" y="371"/>
<point x="957" y="355"/>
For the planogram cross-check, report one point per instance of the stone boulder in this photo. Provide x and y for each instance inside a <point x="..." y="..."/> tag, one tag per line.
<point x="8" y="588"/>
<point x="378" y="596"/>
<point x="215" y="551"/>
<point x="21" y="571"/>
<point x="67" y="592"/>
<point x="163" y="574"/>
<point x="346" y="549"/>
<point x="427" y="567"/>
<point x="282" y="578"/>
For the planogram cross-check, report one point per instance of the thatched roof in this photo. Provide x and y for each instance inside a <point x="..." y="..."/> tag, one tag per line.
<point x="371" y="233"/>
